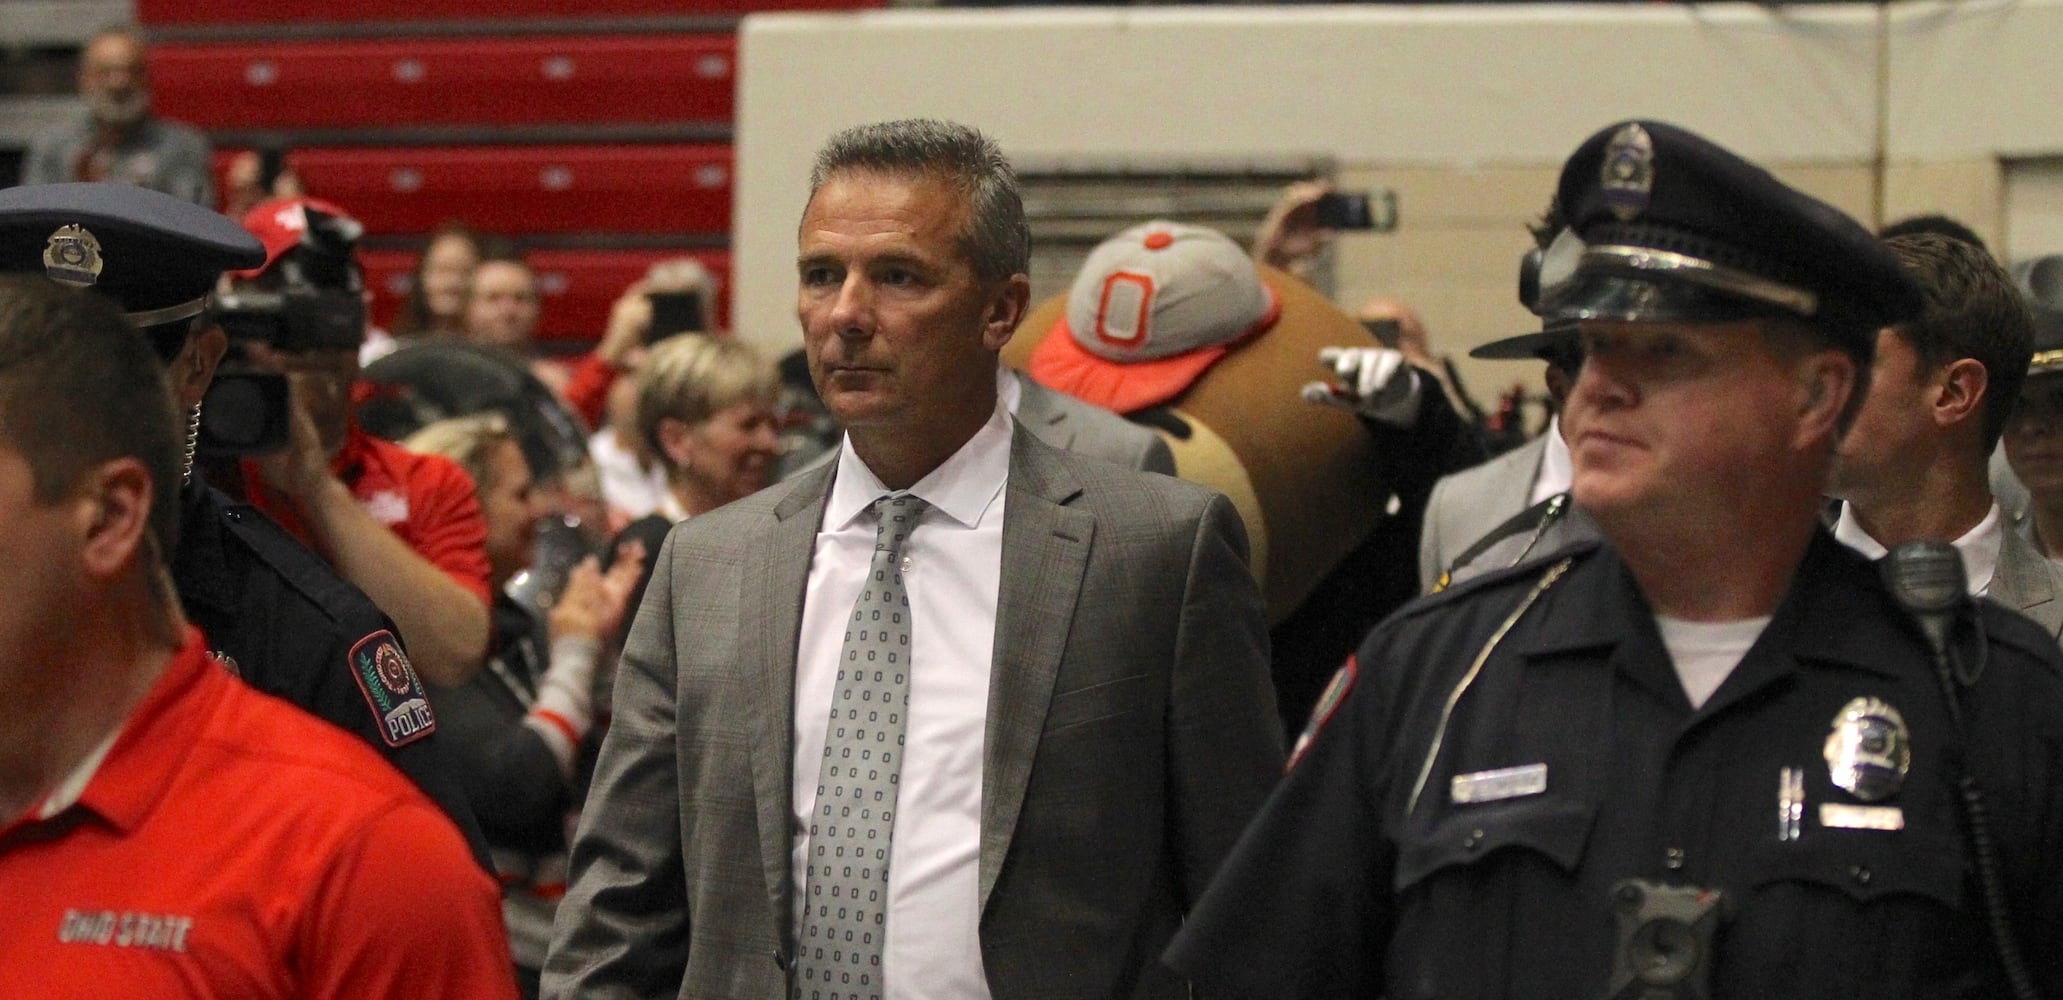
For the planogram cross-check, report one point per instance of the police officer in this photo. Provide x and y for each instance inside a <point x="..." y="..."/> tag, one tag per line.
<point x="1711" y="755"/>
<point x="272" y="611"/>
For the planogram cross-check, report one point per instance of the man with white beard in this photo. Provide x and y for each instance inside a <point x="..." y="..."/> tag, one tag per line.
<point x="119" y="139"/>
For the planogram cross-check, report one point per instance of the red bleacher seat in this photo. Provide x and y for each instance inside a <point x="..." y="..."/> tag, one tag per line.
<point x="397" y="83"/>
<point x="577" y="287"/>
<point x="175" y="13"/>
<point x="667" y="188"/>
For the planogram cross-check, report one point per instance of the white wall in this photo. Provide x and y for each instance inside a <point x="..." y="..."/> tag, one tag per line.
<point x="1467" y="110"/>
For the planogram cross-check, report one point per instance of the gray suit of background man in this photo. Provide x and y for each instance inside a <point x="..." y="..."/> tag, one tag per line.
<point x="1127" y="728"/>
<point x="1471" y="503"/>
<point x="1069" y="424"/>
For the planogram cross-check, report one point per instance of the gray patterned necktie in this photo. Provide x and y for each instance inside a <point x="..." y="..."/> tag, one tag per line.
<point x="845" y="898"/>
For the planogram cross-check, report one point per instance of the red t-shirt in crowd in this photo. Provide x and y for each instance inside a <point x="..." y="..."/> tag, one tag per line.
<point x="427" y="500"/>
<point x="587" y="389"/>
<point x="231" y="845"/>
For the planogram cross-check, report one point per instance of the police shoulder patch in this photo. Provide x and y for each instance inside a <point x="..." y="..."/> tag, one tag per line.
<point x="391" y="689"/>
<point x="1328" y="704"/>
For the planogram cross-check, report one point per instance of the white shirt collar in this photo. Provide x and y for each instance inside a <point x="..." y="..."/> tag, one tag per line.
<point x="1979" y="546"/>
<point x="963" y="486"/>
<point x="1557" y="469"/>
<point x="1007" y="389"/>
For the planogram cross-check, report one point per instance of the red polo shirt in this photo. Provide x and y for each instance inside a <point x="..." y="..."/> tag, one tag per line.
<point x="230" y="845"/>
<point x="427" y="500"/>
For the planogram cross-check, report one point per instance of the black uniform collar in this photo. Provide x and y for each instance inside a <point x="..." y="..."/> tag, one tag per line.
<point x="1598" y="606"/>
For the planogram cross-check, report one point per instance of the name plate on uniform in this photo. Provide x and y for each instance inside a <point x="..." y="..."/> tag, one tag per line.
<point x="1842" y="816"/>
<point x="1503" y="783"/>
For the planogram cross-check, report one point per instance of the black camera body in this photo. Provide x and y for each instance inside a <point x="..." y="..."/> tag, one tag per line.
<point x="1663" y="950"/>
<point x="294" y="319"/>
<point x="244" y="413"/>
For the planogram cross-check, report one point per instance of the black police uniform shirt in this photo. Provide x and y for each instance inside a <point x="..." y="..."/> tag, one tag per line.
<point x="283" y="620"/>
<point x="1339" y="889"/>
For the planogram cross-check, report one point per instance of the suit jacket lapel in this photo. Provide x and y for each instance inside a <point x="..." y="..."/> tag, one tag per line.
<point x="2022" y="581"/>
<point x="1045" y="552"/>
<point x="772" y="586"/>
<point x="1035" y="409"/>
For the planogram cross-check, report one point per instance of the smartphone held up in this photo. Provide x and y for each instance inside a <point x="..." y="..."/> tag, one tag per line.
<point x="1370" y="211"/>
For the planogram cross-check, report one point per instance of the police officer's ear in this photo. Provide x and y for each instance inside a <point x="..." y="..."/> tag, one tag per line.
<point x="194" y="367"/>
<point x="113" y="502"/>
<point x="1828" y="381"/>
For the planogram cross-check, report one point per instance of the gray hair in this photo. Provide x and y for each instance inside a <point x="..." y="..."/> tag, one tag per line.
<point x="998" y="241"/>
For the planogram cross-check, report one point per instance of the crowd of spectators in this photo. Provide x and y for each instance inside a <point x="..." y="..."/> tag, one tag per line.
<point x="673" y="421"/>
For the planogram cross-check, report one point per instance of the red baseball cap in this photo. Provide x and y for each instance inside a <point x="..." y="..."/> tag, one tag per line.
<point x="1152" y="309"/>
<point x="280" y="224"/>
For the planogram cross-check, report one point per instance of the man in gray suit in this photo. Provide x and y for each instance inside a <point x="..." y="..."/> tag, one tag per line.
<point x="1469" y="506"/>
<point x="1069" y="424"/>
<point x="1071" y="654"/>
<point x="1915" y="466"/>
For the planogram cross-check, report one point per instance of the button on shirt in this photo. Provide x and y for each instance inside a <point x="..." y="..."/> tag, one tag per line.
<point x="953" y="566"/>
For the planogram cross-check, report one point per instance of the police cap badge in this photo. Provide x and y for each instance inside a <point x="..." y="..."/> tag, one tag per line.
<point x="156" y="255"/>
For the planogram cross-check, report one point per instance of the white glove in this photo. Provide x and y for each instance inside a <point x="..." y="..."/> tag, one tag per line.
<point x="1378" y="385"/>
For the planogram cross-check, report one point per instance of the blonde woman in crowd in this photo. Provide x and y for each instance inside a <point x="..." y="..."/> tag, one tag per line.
<point x="705" y="411"/>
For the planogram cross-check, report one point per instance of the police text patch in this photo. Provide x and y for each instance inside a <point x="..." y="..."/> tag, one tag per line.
<point x="392" y="691"/>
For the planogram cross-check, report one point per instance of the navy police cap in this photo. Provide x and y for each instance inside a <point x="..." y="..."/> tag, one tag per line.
<point x="1541" y="343"/>
<point x="1666" y="226"/>
<point x="2040" y="281"/>
<point x="156" y="255"/>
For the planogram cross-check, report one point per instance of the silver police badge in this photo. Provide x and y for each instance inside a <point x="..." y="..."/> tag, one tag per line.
<point x="1629" y="172"/>
<point x="72" y="256"/>
<point x="1869" y="750"/>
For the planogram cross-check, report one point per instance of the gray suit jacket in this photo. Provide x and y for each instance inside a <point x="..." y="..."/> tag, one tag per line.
<point x="1468" y="504"/>
<point x="1069" y="424"/>
<point x="158" y="153"/>
<point x="1131" y="734"/>
<point x="2026" y="582"/>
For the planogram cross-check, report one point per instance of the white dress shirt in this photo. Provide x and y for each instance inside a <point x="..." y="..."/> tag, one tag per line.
<point x="953" y="564"/>
<point x="1979" y="546"/>
<point x="1557" y="468"/>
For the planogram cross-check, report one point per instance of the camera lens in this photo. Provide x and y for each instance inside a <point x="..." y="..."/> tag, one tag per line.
<point x="1663" y="952"/>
